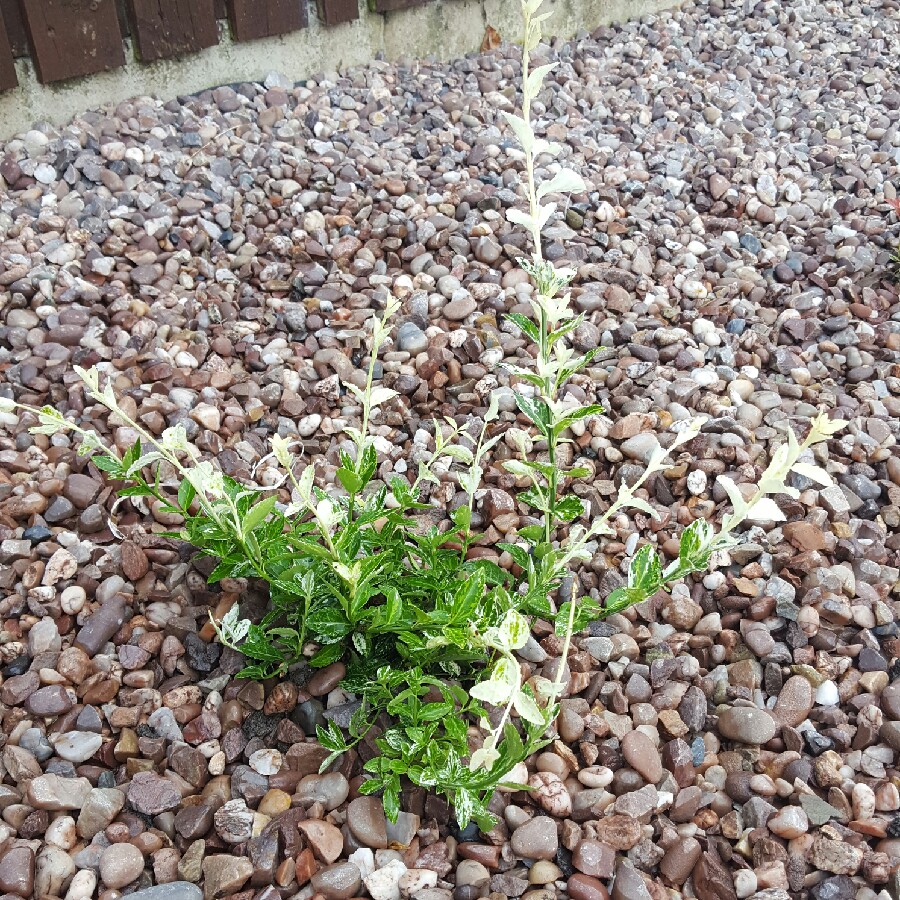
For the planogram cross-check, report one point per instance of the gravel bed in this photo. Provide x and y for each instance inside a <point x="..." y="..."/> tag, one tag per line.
<point x="219" y="257"/>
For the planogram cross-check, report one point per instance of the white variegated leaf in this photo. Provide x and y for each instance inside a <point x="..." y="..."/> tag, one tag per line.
<point x="734" y="495"/>
<point x="493" y="407"/>
<point x="516" y="467"/>
<point x="455" y="451"/>
<point x="518" y="217"/>
<point x="657" y="459"/>
<point x="563" y="182"/>
<point x="536" y="78"/>
<point x="513" y="631"/>
<point x="643" y="506"/>
<point x="381" y="395"/>
<point x="357" y="392"/>
<point x="143" y="461"/>
<point x="483" y="758"/>
<point x="306" y="482"/>
<point x="813" y="473"/>
<point x="491" y="691"/>
<point x="522" y="130"/>
<point x="545" y="212"/>
<point x="551" y="148"/>
<point x="528" y="709"/>
<point x="766" y="510"/>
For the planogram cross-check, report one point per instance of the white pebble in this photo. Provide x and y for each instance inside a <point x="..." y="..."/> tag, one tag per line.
<point x="309" y="425"/>
<point x="827" y="694"/>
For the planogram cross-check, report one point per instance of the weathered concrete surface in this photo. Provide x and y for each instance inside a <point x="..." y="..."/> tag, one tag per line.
<point x="445" y="29"/>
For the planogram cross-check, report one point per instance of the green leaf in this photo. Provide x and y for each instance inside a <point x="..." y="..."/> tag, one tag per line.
<point x="462" y="517"/>
<point x="330" y="737"/>
<point x="372" y="786"/>
<point x="137" y="490"/>
<point x="645" y="571"/>
<point x="108" y="464"/>
<point x="352" y="483"/>
<point x="576" y="415"/>
<point x="532" y="533"/>
<point x="328" y="624"/>
<point x="132" y="455"/>
<point x="392" y="606"/>
<point x="513" y="631"/>
<point x="526" y="325"/>
<point x="186" y="494"/>
<point x="694" y="539"/>
<point x="527" y="708"/>
<point x="368" y="462"/>
<point x="391" y="798"/>
<point x="327" y="655"/>
<point x="464" y="803"/>
<point x="257" y="515"/>
<point x="622" y="598"/>
<point x="569" y="508"/>
<point x="517" y="552"/>
<point x="259" y="646"/>
<point x="435" y="711"/>
<point x="466" y="598"/>
<point x="586" y="611"/>
<point x="535" y="499"/>
<point x="536" y="410"/>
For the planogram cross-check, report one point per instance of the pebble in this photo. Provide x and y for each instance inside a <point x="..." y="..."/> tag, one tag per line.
<point x="120" y="864"/>
<point x="536" y="839"/>
<point x="641" y="754"/>
<point x="747" y="725"/>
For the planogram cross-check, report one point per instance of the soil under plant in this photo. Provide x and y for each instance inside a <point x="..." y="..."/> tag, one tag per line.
<point x="683" y="378"/>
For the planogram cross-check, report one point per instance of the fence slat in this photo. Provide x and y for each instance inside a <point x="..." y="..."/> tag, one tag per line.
<point x="15" y="27"/>
<point x="8" y="77"/>
<point x="166" y="28"/>
<point x="253" y="19"/>
<point x="335" y="12"/>
<point x="384" y="6"/>
<point x="69" y="38"/>
<point x="124" y="21"/>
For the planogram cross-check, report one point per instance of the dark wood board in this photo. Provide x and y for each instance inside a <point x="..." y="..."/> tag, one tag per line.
<point x="166" y="28"/>
<point x="383" y="6"/>
<point x="8" y="78"/>
<point x="254" y="19"/>
<point x="71" y="38"/>
<point x="124" y="22"/>
<point x="336" y="12"/>
<point x="15" y="27"/>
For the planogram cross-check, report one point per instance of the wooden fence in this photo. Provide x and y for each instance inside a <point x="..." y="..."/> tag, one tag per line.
<point x="71" y="38"/>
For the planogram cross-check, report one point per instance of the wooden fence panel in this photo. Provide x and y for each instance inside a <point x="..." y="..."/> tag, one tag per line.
<point x="8" y="77"/>
<point x="221" y="11"/>
<point x="71" y="38"/>
<point x="15" y="27"/>
<point x="166" y="28"/>
<point x="384" y="6"/>
<point x="253" y="19"/>
<point x="335" y="12"/>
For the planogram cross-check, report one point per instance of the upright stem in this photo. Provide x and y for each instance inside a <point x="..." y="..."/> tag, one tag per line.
<point x="566" y="594"/>
<point x="533" y="207"/>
